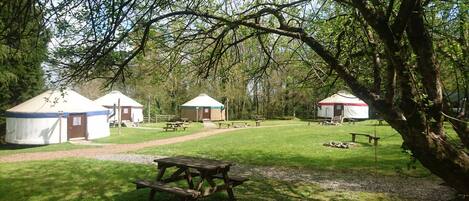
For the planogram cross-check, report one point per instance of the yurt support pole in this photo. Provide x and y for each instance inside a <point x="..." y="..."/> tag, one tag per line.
<point x="60" y="125"/>
<point x="119" y="118"/>
<point x="149" y="106"/>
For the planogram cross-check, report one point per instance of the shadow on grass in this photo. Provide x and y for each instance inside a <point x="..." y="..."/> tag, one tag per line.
<point x="80" y="179"/>
<point x="18" y="146"/>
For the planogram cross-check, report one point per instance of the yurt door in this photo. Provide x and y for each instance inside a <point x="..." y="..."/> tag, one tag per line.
<point x="206" y="113"/>
<point x="126" y="113"/>
<point x="76" y="126"/>
<point x="338" y="109"/>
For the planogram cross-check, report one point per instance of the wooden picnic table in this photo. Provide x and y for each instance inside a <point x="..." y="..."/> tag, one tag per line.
<point x="174" y="126"/>
<point x="205" y="171"/>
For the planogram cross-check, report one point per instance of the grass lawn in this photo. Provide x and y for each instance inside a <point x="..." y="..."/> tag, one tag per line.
<point x="9" y="149"/>
<point x="128" y="136"/>
<point x="272" y="122"/>
<point x="301" y="146"/>
<point x="104" y="180"/>
<point x="146" y="133"/>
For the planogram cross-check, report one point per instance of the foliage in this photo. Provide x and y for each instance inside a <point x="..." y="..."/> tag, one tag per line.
<point x="23" y="47"/>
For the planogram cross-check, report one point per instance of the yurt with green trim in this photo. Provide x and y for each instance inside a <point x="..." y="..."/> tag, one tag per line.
<point x="56" y="116"/>
<point x="203" y="107"/>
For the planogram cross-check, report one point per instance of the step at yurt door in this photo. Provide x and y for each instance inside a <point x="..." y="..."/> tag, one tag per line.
<point x="76" y="126"/>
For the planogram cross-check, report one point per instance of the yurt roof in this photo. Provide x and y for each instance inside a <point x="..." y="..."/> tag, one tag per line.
<point x="203" y="100"/>
<point x="343" y="97"/>
<point x="112" y="98"/>
<point x="54" y="101"/>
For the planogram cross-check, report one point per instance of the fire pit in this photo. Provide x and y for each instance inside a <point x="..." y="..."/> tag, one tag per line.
<point x="342" y="145"/>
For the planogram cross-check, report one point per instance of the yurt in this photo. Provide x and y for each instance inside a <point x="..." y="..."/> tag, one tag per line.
<point x="345" y="104"/>
<point x="54" y="117"/>
<point x="203" y="107"/>
<point x="131" y="110"/>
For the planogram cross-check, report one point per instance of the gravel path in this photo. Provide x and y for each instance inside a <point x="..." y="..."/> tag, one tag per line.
<point x="398" y="187"/>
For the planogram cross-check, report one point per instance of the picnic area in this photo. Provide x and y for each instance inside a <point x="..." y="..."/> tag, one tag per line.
<point x="282" y="160"/>
<point x="270" y="100"/>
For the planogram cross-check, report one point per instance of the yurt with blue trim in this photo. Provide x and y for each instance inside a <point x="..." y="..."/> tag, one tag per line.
<point x="56" y="116"/>
<point x="203" y="107"/>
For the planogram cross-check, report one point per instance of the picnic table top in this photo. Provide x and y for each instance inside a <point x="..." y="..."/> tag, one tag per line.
<point x="194" y="162"/>
<point x="174" y="123"/>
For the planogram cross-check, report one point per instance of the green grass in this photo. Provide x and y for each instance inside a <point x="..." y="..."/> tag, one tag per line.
<point x="127" y="136"/>
<point x="271" y="122"/>
<point x="136" y="135"/>
<point x="105" y="180"/>
<point x="301" y="146"/>
<point x="16" y="149"/>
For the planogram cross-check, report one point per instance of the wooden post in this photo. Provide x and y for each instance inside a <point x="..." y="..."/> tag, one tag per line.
<point x="60" y="125"/>
<point x="149" y="106"/>
<point x="227" y="110"/>
<point x="119" y="118"/>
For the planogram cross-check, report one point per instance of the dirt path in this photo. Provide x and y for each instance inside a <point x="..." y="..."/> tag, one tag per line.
<point x="109" y="149"/>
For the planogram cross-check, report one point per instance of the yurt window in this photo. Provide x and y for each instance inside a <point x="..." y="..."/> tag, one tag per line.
<point x="76" y="121"/>
<point x="206" y="110"/>
<point x="126" y="110"/>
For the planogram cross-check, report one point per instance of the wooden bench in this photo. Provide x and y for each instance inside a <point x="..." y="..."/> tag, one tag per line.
<point x="234" y="180"/>
<point x="220" y="124"/>
<point x="258" y="123"/>
<point x="185" y="194"/>
<point x="168" y="127"/>
<point x="242" y="123"/>
<point x="370" y="137"/>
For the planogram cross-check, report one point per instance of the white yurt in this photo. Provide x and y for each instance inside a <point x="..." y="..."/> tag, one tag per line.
<point x="131" y="110"/>
<point x="345" y="104"/>
<point x="203" y="107"/>
<point x="54" y="117"/>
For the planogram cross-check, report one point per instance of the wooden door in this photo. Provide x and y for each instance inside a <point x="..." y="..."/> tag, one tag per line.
<point x="206" y="113"/>
<point x="338" y="109"/>
<point x="76" y="126"/>
<point x="126" y="113"/>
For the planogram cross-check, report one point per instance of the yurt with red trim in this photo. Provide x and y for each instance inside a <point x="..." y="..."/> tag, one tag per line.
<point x="343" y="104"/>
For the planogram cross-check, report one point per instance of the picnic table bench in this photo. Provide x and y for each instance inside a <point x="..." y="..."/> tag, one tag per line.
<point x="243" y="123"/>
<point x="220" y="124"/>
<point x="258" y="123"/>
<point x="370" y="137"/>
<point x="189" y="169"/>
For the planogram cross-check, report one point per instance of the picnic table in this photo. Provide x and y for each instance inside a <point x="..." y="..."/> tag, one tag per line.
<point x="191" y="169"/>
<point x="174" y="126"/>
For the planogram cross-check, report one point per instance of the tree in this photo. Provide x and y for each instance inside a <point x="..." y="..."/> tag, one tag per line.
<point x="383" y="51"/>
<point x="23" y="43"/>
